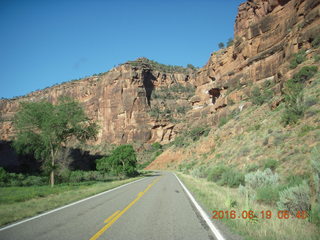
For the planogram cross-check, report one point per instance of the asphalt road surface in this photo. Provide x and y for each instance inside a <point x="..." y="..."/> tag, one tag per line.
<point x="155" y="207"/>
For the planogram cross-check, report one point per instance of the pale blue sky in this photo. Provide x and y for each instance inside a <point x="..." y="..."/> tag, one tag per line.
<point x="46" y="42"/>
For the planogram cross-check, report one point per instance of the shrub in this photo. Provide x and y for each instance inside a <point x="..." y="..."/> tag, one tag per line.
<point x="231" y="178"/>
<point x="315" y="208"/>
<point x="259" y="97"/>
<point x="76" y="176"/>
<point x="3" y="176"/>
<point x="197" y="132"/>
<point x="294" y="180"/>
<point x="270" y="163"/>
<point x="297" y="59"/>
<point x="122" y="161"/>
<point x="305" y="74"/>
<point x="221" y="45"/>
<point x="295" y="199"/>
<point x="267" y="194"/>
<point x="223" y="121"/>
<point x="315" y="214"/>
<point x="316" y="58"/>
<point x="180" y="141"/>
<point x="316" y="42"/>
<point x="199" y="172"/>
<point x="252" y="168"/>
<point x="156" y="146"/>
<point x="230" y="42"/>
<point x="186" y="166"/>
<point x="294" y="107"/>
<point x="215" y="173"/>
<point x="34" y="181"/>
<point x="260" y="179"/>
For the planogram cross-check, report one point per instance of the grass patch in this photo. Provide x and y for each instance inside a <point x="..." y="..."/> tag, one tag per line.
<point x="215" y="197"/>
<point x="21" y="202"/>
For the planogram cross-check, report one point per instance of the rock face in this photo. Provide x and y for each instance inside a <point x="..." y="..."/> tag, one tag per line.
<point x="267" y="33"/>
<point x="118" y="100"/>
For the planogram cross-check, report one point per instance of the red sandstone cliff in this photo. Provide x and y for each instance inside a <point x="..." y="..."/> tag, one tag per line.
<point x="118" y="100"/>
<point x="267" y="34"/>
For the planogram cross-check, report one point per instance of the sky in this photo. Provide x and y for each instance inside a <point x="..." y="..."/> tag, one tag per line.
<point x="45" y="42"/>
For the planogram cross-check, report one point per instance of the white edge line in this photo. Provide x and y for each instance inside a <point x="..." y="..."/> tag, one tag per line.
<point x="68" y="205"/>
<point x="202" y="212"/>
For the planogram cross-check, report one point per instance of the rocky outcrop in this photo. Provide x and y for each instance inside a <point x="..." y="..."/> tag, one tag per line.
<point x="136" y="101"/>
<point x="119" y="101"/>
<point x="267" y="34"/>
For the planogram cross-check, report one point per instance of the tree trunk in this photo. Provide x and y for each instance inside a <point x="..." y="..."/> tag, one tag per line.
<point x="52" y="169"/>
<point x="52" y="178"/>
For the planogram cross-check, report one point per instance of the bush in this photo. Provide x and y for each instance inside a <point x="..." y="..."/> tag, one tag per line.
<point x="259" y="97"/>
<point x="197" y="132"/>
<point x="252" y="168"/>
<point x="85" y="176"/>
<point x="231" y="178"/>
<point x="270" y="163"/>
<point x="76" y="176"/>
<point x="223" y="121"/>
<point x="122" y="161"/>
<point x="294" y="180"/>
<point x="261" y="179"/>
<point x="268" y="195"/>
<point x="315" y="214"/>
<point x="230" y="42"/>
<point x="221" y="45"/>
<point x="34" y="181"/>
<point x="186" y="166"/>
<point x="315" y="208"/>
<point x="297" y="59"/>
<point x="294" y="106"/>
<point x="199" y="172"/>
<point x="316" y="58"/>
<point x="295" y="199"/>
<point x="316" y="42"/>
<point x="215" y="173"/>
<point x="3" y="176"/>
<point x="305" y="74"/>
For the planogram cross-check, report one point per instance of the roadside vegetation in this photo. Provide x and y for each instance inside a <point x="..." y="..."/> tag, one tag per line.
<point x="264" y="157"/>
<point x="17" y="203"/>
<point x="45" y="131"/>
<point x="219" y="198"/>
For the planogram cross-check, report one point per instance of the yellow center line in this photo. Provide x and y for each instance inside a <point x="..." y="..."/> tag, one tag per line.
<point x="114" y="217"/>
<point x="109" y="218"/>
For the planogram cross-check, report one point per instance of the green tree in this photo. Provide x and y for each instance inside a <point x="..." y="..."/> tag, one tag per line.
<point x="294" y="107"/>
<point x="230" y="42"/>
<point x="221" y="45"/>
<point x="43" y="129"/>
<point x="122" y="161"/>
<point x="191" y="66"/>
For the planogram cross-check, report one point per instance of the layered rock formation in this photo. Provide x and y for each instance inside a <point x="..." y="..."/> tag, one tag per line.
<point x="118" y="100"/>
<point x="267" y="34"/>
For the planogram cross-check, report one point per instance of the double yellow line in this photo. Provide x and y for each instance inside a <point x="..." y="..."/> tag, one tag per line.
<point x="114" y="217"/>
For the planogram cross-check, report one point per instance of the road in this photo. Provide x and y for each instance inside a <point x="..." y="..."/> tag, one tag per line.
<point x="156" y="207"/>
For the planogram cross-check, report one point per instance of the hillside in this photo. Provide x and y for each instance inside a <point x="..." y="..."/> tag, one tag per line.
<point x="120" y="101"/>
<point x="270" y="36"/>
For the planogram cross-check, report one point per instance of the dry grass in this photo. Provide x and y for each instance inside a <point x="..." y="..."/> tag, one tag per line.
<point x="11" y="212"/>
<point x="215" y="197"/>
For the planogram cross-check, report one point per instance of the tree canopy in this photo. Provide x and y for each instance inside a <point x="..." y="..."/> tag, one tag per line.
<point x="122" y="161"/>
<point x="42" y="129"/>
